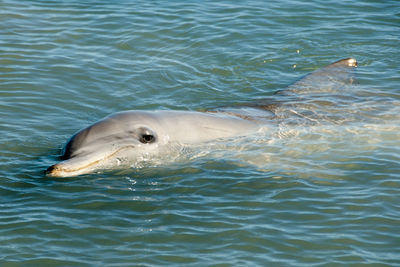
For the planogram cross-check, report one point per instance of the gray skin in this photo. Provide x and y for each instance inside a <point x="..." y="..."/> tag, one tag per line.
<point x="139" y="133"/>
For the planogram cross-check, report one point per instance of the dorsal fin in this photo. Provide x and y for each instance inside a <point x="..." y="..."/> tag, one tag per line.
<point x="327" y="79"/>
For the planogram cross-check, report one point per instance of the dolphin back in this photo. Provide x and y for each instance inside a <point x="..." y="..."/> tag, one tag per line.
<point x="330" y="78"/>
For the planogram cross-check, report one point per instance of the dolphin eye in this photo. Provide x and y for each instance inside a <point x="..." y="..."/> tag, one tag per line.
<point x="144" y="135"/>
<point x="146" y="138"/>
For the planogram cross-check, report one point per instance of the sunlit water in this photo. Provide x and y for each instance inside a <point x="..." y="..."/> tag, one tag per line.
<point x="307" y="191"/>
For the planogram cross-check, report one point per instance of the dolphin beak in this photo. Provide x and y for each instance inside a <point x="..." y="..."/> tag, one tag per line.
<point x="73" y="167"/>
<point x="56" y="171"/>
<point x="79" y="165"/>
<point x="64" y="170"/>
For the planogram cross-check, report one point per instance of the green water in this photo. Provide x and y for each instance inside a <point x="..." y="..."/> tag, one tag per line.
<point x="325" y="194"/>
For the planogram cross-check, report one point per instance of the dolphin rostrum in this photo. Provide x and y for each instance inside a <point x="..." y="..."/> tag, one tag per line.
<point x="141" y="134"/>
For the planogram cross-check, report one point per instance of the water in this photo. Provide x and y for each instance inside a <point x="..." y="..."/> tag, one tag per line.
<point x="303" y="195"/>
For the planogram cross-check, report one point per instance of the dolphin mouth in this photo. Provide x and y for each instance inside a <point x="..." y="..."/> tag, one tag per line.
<point x="57" y="170"/>
<point x="82" y="164"/>
<point x="72" y="167"/>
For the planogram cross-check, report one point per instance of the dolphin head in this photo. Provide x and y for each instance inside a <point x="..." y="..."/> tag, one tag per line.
<point x="132" y="137"/>
<point x="109" y="141"/>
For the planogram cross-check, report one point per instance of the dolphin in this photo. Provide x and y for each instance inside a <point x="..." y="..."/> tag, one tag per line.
<point x="144" y="134"/>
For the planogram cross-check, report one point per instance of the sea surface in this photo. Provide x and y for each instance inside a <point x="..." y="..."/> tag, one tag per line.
<point x="325" y="193"/>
